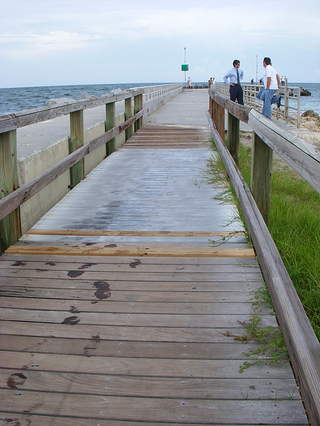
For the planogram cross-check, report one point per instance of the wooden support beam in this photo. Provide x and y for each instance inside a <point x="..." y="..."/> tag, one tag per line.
<point x="128" y="114"/>
<point x="261" y="169"/>
<point x="10" y="226"/>
<point x="217" y="115"/>
<point x="234" y="137"/>
<point x="110" y="123"/>
<point x="137" y="108"/>
<point x="76" y="141"/>
<point x="220" y="121"/>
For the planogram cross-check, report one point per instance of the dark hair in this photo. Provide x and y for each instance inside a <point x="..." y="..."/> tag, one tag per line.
<point x="267" y="61"/>
<point x="235" y="62"/>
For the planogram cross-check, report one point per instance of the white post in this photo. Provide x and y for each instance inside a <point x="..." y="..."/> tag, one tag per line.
<point x="185" y="72"/>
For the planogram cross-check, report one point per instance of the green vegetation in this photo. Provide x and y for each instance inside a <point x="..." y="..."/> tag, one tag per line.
<point x="272" y="347"/>
<point x="294" y="225"/>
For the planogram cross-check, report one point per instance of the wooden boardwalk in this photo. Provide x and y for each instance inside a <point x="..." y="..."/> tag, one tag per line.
<point x="116" y="306"/>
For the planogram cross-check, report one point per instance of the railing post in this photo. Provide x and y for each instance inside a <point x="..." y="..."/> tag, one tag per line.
<point x="286" y="101"/>
<point x="128" y="114"/>
<point x="10" y="226"/>
<point x="218" y="118"/>
<point x="110" y="123"/>
<point x="298" y="107"/>
<point x="76" y="141"/>
<point x="211" y="106"/>
<point x="234" y="137"/>
<point x="220" y="121"/>
<point x="137" y="108"/>
<point x="261" y="170"/>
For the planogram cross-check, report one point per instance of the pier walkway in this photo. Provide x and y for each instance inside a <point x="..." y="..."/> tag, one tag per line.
<point x="117" y="307"/>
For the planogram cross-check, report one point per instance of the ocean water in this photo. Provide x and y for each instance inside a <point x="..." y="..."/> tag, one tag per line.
<point x="309" y="102"/>
<point x="24" y="98"/>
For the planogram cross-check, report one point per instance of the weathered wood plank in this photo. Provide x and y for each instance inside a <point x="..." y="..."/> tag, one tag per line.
<point x="128" y="115"/>
<point x="120" y="333"/>
<point x="95" y="346"/>
<point x="10" y="226"/>
<point x="261" y="170"/>
<point x="129" y="296"/>
<point x="131" y="251"/>
<point x="132" y="265"/>
<point x="130" y="320"/>
<point x="154" y="387"/>
<point x="152" y="367"/>
<point x="127" y="276"/>
<point x="38" y="420"/>
<point x="110" y="123"/>
<point x="76" y="141"/>
<point x="234" y="137"/>
<point x="241" y="262"/>
<point x="179" y="410"/>
<point x="74" y="306"/>
<point x="10" y="284"/>
<point x="96" y="232"/>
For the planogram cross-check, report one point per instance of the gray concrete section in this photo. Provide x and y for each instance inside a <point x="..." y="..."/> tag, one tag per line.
<point x="187" y="109"/>
<point x="40" y="135"/>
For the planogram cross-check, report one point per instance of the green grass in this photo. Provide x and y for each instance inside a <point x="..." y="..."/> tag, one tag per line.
<point x="295" y="228"/>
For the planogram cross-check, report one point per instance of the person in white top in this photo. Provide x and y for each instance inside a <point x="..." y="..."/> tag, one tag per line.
<point x="271" y="81"/>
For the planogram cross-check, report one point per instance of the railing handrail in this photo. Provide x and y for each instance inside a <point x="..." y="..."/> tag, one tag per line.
<point x="249" y="96"/>
<point x="296" y="152"/>
<point x="27" y="117"/>
<point x="300" y="338"/>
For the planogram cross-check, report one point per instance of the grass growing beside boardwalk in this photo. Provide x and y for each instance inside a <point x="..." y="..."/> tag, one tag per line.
<point x="295" y="228"/>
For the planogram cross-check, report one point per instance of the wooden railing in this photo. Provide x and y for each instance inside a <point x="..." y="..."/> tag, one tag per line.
<point x="290" y="102"/>
<point x="301" y="341"/>
<point x="11" y="196"/>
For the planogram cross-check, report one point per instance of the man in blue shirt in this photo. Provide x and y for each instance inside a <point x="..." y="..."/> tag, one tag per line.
<point x="235" y="75"/>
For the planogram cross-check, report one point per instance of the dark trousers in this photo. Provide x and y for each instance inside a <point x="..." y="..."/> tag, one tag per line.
<point x="236" y="93"/>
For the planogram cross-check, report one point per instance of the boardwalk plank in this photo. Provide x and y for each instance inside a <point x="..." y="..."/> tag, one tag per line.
<point x="96" y="346"/>
<point x="155" y="387"/>
<point x="38" y="420"/>
<point x="154" y="367"/>
<point x="143" y="334"/>
<point x="77" y="306"/>
<point x="152" y="409"/>
<point x="129" y="296"/>
<point x="130" y="320"/>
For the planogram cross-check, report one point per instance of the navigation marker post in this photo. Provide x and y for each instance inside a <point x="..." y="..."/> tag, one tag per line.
<point x="185" y="67"/>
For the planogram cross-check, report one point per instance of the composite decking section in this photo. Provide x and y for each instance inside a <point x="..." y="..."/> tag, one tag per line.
<point x="116" y="307"/>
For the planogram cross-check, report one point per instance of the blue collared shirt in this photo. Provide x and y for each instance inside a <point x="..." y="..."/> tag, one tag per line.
<point x="232" y="75"/>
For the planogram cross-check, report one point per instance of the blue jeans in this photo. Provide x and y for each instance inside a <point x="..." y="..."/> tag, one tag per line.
<point x="267" y="97"/>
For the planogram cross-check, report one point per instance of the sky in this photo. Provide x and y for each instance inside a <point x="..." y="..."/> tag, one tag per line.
<point x="68" y="42"/>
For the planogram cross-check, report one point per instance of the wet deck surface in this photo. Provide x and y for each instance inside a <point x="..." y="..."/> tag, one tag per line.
<point x="116" y="307"/>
